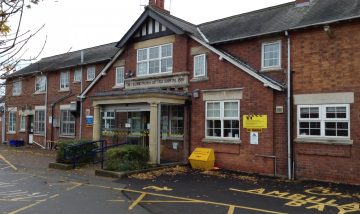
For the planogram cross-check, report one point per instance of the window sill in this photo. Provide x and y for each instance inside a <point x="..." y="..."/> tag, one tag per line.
<point x="118" y="86"/>
<point x="77" y="82"/>
<point x="221" y="140"/>
<point x="199" y="79"/>
<point x="173" y="138"/>
<point x="326" y="141"/>
<point x="16" y="95"/>
<point x="21" y="131"/>
<point x="39" y="134"/>
<point x="11" y="133"/>
<point x="39" y="92"/>
<point x="90" y="80"/>
<point x="271" y="69"/>
<point x="64" y="90"/>
<point x="67" y="136"/>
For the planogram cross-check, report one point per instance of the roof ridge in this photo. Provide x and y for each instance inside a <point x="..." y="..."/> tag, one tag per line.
<point x="70" y="52"/>
<point x="247" y="13"/>
<point x="168" y="14"/>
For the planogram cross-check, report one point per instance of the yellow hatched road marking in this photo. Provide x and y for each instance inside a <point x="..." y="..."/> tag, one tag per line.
<point x="231" y="210"/>
<point x="199" y="201"/>
<point x="137" y="201"/>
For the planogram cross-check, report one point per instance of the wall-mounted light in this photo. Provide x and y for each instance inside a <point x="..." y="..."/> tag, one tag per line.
<point x="196" y="93"/>
<point x="328" y="31"/>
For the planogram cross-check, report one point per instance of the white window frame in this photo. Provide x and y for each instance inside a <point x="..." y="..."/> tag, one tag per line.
<point x="322" y="119"/>
<point x="203" y="66"/>
<point x="106" y="118"/>
<point x="40" y="83"/>
<point x="118" y="74"/>
<point x="222" y="118"/>
<point x="278" y="66"/>
<point x="160" y="58"/>
<point x="90" y="73"/>
<point x="78" y="75"/>
<point x="64" y="81"/>
<point x="17" y="87"/>
<point x="39" y="123"/>
<point x="12" y="121"/>
<point x="22" y="123"/>
<point x="67" y="122"/>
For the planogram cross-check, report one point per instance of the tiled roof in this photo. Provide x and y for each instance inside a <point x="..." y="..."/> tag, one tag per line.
<point x="71" y="59"/>
<point x="279" y="18"/>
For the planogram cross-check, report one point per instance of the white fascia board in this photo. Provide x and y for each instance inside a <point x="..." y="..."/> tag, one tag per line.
<point x="102" y="73"/>
<point x="232" y="61"/>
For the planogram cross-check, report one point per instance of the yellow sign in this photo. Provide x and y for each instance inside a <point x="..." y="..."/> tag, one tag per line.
<point x="202" y="158"/>
<point x="255" y="121"/>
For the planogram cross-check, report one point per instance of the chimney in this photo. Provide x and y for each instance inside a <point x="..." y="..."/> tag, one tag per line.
<point x="157" y="3"/>
<point x="301" y="3"/>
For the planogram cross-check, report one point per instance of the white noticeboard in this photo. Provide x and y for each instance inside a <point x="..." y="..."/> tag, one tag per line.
<point x="254" y="138"/>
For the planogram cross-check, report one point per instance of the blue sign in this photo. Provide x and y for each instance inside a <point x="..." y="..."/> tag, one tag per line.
<point x="89" y="120"/>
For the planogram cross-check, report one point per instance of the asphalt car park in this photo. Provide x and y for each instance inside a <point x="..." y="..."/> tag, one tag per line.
<point x="173" y="190"/>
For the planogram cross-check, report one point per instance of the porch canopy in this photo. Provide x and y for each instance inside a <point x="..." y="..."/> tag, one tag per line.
<point x="152" y="97"/>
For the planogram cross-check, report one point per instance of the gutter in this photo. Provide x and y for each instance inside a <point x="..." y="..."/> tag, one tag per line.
<point x="247" y="70"/>
<point x="102" y="73"/>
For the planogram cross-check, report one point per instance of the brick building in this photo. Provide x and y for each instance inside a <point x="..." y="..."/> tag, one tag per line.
<point x="173" y="86"/>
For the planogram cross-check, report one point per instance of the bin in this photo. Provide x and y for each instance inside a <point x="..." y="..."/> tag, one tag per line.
<point x="202" y="158"/>
<point x="16" y="143"/>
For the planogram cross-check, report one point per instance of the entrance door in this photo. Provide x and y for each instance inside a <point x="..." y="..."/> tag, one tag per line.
<point x="172" y="133"/>
<point x="30" y="128"/>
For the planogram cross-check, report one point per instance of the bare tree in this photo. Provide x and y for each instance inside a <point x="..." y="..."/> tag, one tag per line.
<point x="12" y="39"/>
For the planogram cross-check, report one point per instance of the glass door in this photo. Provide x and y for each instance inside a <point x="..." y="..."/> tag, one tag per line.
<point x="172" y="133"/>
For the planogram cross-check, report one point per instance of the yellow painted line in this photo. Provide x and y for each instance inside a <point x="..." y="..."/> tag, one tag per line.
<point x="32" y="205"/>
<point x="137" y="201"/>
<point x="27" y="207"/>
<point x="75" y="186"/>
<point x="200" y="201"/>
<point x="116" y="200"/>
<point x="6" y="161"/>
<point x="169" y="201"/>
<point x="231" y="210"/>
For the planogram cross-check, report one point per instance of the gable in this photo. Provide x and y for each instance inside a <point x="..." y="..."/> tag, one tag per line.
<point x="149" y="25"/>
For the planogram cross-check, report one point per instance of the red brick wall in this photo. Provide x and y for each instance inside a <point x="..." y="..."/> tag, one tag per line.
<point x="29" y="98"/>
<point x="257" y="99"/>
<point x="324" y="65"/>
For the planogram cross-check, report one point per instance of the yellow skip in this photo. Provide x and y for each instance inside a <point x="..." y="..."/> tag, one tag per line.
<point x="8" y="163"/>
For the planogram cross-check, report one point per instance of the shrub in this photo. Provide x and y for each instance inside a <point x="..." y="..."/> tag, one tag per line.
<point x="83" y="153"/>
<point x="127" y="158"/>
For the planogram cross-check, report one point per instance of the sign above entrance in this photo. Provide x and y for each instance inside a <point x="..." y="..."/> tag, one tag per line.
<point x="255" y="121"/>
<point x="176" y="80"/>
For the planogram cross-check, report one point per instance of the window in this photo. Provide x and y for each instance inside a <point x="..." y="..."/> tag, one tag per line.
<point x="177" y="120"/>
<point x="200" y="65"/>
<point x="154" y="60"/>
<point x="64" y="81"/>
<point x="120" y="74"/>
<point x="67" y="125"/>
<point x="12" y="121"/>
<point x="40" y="84"/>
<point x="77" y="75"/>
<point x="271" y="55"/>
<point x="324" y="121"/>
<point x="16" y="90"/>
<point x="22" y="123"/>
<point x="90" y="73"/>
<point x="108" y="120"/>
<point x="39" y="122"/>
<point x="222" y="119"/>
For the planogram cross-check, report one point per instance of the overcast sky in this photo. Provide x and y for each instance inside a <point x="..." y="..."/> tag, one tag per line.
<point x="77" y="24"/>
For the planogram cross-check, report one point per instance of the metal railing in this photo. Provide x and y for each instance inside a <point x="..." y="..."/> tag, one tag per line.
<point x="88" y="152"/>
